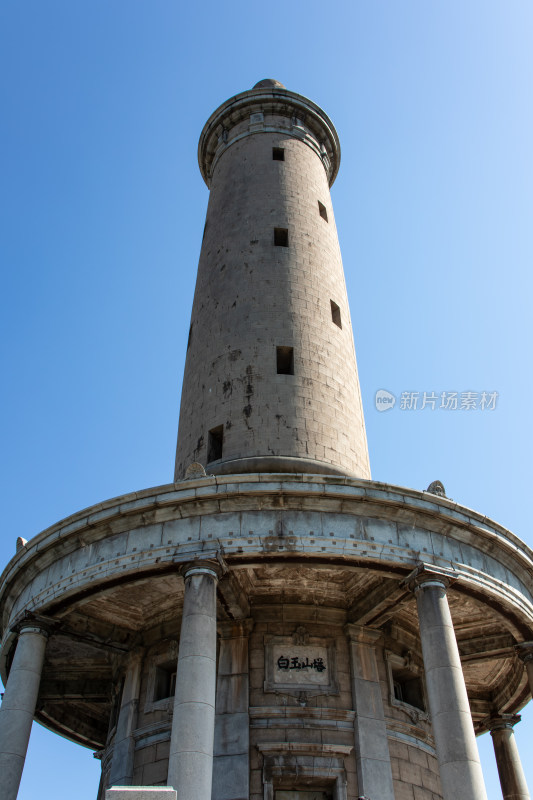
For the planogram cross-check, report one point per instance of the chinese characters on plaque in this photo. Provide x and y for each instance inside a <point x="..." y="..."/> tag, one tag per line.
<point x="298" y="665"/>
<point x="294" y="662"/>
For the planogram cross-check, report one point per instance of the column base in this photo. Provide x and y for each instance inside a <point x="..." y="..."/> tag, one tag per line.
<point x="141" y="793"/>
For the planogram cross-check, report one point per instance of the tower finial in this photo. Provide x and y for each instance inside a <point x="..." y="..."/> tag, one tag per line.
<point x="268" y="83"/>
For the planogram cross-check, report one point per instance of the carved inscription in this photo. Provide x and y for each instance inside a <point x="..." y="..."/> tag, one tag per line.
<point x="295" y="663"/>
<point x="300" y="665"/>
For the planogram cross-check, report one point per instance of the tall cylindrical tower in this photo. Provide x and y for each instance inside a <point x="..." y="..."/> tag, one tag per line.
<point x="271" y="635"/>
<point x="271" y="379"/>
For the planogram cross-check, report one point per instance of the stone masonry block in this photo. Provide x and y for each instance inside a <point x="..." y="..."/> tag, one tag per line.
<point x="410" y="773"/>
<point x="140" y="793"/>
<point x="403" y="791"/>
<point x="417" y="756"/>
<point x="422" y="794"/>
<point x="155" y="773"/>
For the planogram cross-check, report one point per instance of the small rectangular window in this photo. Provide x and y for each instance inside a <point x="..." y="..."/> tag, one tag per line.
<point x="165" y="681"/>
<point x="285" y="360"/>
<point x="281" y="237"/>
<point x="189" y="340"/>
<point x="214" y="443"/>
<point x="336" y="314"/>
<point x="278" y="154"/>
<point x="408" y="688"/>
<point x="322" y="211"/>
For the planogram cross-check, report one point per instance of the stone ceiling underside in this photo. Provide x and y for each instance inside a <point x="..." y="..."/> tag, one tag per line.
<point x="101" y="627"/>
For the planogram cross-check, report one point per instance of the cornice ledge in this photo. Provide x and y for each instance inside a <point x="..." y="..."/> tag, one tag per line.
<point x="305" y="748"/>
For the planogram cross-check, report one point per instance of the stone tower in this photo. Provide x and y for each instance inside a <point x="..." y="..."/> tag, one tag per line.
<point x="282" y="627"/>
<point x="270" y="379"/>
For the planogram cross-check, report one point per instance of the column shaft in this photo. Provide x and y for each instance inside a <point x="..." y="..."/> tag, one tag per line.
<point x="18" y="708"/>
<point x="512" y="778"/>
<point x="124" y="749"/>
<point x="231" y="766"/>
<point x="374" y="773"/>
<point x="457" y="752"/>
<point x="190" y="766"/>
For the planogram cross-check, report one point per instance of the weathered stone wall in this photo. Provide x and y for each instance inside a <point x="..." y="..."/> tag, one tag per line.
<point x="293" y="736"/>
<point x="319" y="721"/>
<point x="154" y="718"/>
<point x="152" y="764"/>
<point x="253" y="296"/>
<point x="415" y="772"/>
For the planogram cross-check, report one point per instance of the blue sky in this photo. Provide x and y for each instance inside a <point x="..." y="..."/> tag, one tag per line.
<point x="102" y="211"/>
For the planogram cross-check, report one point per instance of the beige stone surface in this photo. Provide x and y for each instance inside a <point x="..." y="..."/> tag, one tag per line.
<point x="374" y="774"/>
<point x="252" y="296"/>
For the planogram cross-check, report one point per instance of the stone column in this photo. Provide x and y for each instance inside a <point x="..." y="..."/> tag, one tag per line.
<point x="524" y="651"/>
<point x="231" y="766"/>
<point x="123" y="752"/>
<point x="457" y="753"/>
<point x="374" y="773"/>
<point x="190" y="765"/>
<point x="18" y="707"/>
<point x="512" y="778"/>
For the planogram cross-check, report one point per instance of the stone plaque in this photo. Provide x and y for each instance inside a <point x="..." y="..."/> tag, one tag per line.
<point x="300" y="664"/>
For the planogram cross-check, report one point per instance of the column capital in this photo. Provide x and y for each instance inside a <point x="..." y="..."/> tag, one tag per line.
<point x="524" y="651"/>
<point x="499" y="722"/>
<point x="207" y="567"/>
<point x="360" y="634"/>
<point x="34" y="623"/>
<point x="235" y="628"/>
<point x="429" y="575"/>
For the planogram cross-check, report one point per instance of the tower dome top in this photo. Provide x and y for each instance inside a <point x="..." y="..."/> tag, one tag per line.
<point x="267" y="83"/>
<point x="286" y="111"/>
